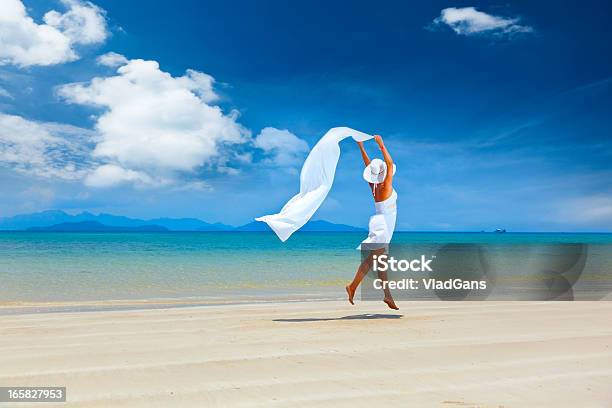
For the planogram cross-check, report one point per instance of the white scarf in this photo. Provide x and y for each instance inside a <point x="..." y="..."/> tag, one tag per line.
<point x="316" y="179"/>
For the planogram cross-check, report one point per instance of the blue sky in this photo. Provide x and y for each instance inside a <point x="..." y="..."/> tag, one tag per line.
<point x="497" y="114"/>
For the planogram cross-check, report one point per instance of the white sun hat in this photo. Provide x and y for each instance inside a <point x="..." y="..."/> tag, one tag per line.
<point x="376" y="171"/>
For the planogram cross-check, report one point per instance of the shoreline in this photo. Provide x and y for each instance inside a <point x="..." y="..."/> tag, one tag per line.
<point x="77" y="306"/>
<point x="143" y="304"/>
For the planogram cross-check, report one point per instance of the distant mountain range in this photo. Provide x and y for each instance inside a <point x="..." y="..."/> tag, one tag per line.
<point x="94" y="226"/>
<point x="54" y="217"/>
<point x="55" y="220"/>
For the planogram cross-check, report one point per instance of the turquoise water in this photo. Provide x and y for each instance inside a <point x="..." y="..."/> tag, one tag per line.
<point x="103" y="266"/>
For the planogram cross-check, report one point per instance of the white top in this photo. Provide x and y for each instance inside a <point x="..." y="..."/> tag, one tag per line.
<point x="388" y="205"/>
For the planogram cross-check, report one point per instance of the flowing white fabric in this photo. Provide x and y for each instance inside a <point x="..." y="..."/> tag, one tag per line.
<point x="316" y="179"/>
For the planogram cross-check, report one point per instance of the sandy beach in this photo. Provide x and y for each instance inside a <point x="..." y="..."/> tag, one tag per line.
<point x="318" y="354"/>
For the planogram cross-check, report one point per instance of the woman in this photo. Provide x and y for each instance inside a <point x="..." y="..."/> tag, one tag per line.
<point x="382" y="224"/>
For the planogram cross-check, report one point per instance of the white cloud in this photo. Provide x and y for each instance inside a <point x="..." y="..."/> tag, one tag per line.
<point x="469" y="21"/>
<point x="589" y="210"/>
<point x="43" y="149"/>
<point x="109" y="175"/>
<point x="5" y="94"/>
<point x="112" y="59"/>
<point x="35" y="197"/>
<point x="83" y="23"/>
<point x="154" y="124"/>
<point x="284" y="148"/>
<point x="24" y="42"/>
<point x="194" y="186"/>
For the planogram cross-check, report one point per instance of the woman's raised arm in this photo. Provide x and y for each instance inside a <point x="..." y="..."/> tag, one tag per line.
<point x="386" y="157"/>
<point x="364" y="154"/>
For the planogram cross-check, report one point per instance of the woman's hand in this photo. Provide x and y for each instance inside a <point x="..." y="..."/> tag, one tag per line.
<point x="379" y="140"/>
<point x="360" y="144"/>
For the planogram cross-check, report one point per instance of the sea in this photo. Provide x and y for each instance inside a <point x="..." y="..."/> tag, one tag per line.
<point x="220" y="266"/>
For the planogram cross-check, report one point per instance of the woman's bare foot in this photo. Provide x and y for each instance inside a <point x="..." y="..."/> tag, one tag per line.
<point x="391" y="303"/>
<point x="351" y="293"/>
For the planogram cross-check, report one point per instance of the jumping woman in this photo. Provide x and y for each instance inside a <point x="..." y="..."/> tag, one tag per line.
<point x="382" y="224"/>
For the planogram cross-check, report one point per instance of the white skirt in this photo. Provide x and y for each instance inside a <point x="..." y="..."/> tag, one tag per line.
<point x="382" y="224"/>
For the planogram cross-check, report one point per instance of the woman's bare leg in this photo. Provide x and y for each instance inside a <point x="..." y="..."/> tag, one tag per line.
<point x="388" y="297"/>
<point x="362" y="271"/>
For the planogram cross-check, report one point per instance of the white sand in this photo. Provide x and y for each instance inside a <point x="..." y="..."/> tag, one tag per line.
<point x="319" y="354"/>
